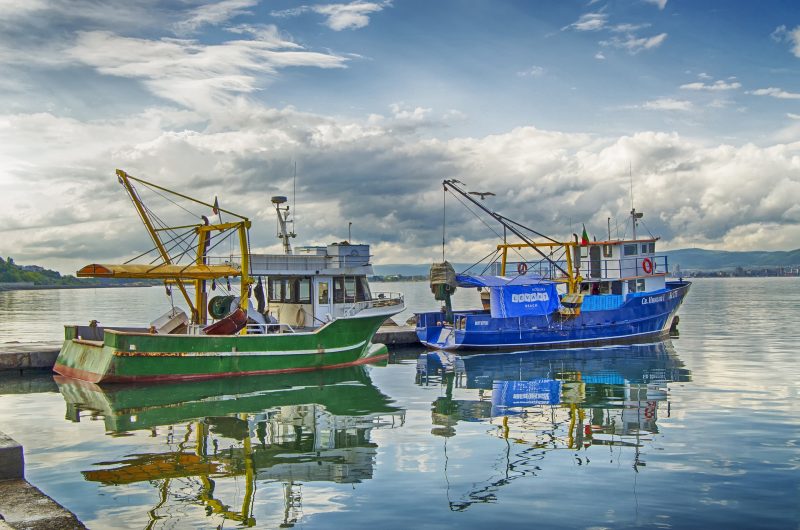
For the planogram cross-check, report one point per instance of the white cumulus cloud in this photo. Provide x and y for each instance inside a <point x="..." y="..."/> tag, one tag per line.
<point x="339" y="17"/>
<point x="660" y="3"/>
<point x="533" y="71"/>
<point x="666" y="104"/>
<point x="634" y="44"/>
<point x="213" y="14"/>
<point x="713" y="87"/>
<point x="191" y="73"/>
<point x="775" y="93"/>
<point x="792" y="36"/>
<point x="589" y="22"/>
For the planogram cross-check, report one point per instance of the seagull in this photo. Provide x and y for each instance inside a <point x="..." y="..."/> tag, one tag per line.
<point x="481" y="194"/>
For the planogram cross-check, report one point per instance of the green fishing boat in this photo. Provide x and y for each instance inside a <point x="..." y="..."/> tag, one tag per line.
<point x="313" y="306"/>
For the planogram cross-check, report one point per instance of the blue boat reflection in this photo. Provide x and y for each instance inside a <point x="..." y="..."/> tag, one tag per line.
<point x="540" y="401"/>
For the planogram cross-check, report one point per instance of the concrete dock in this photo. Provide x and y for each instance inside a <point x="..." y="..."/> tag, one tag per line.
<point x="28" y="356"/>
<point x="22" y="505"/>
<point x="397" y="336"/>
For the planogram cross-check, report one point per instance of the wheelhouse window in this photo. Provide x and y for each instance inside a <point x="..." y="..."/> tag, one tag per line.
<point x="290" y="290"/>
<point x="304" y="290"/>
<point x="608" y="251"/>
<point x="350" y="289"/>
<point x="636" y="286"/>
<point x="629" y="250"/>
<point x="362" y="289"/>
<point x="276" y="288"/>
<point x="338" y="290"/>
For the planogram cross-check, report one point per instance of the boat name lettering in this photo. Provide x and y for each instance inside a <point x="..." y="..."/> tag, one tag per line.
<point x="652" y="299"/>
<point x="481" y="322"/>
<point x="530" y="297"/>
<point x="529" y="395"/>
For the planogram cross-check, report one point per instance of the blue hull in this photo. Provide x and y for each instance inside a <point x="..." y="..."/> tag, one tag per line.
<point x="640" y="316"/>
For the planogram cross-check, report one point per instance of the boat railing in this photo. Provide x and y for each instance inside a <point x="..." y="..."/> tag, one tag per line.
<point x="378" y="300"/>
<point x="625" y="267"/>
<point x="272" y="328"/>
<point x="252" y="329"/>
<point x="262" y="263"/>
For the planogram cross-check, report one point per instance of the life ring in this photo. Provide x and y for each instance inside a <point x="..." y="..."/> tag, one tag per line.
<point x="647" y="266"/>
<point x="522" y="268"/>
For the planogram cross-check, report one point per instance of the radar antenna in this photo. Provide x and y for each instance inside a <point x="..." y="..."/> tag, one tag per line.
<point x="283" y="220"/>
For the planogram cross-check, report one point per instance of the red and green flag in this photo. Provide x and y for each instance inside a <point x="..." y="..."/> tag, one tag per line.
<point x="584" y="237"/>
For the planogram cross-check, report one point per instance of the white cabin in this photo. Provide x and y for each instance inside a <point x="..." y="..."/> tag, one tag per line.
<point x="621" y="266"/>
<point x="314" y="284"/>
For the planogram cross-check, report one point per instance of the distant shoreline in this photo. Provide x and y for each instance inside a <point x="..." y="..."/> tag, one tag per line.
<point x="48" y="287"/>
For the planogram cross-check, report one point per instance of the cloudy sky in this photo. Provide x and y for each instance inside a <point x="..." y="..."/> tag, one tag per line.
<point x="552" y="105"/>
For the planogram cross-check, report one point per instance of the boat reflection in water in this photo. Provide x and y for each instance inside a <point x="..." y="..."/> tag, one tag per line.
<point x="277" y="432"/>
<point x="549" y="400"/>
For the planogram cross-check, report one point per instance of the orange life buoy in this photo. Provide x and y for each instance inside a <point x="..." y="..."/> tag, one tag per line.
<point x="647" y="266"/>
<point x="522" y="268"/>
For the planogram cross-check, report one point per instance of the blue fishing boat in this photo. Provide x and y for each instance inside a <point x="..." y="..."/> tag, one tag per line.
<point x="552" y="294"/>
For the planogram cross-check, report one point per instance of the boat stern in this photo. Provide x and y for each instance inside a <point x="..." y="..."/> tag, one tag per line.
<point x="84" y="354"/>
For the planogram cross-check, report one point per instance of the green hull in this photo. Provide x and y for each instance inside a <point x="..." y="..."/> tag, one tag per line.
<point x="128" y="356"/>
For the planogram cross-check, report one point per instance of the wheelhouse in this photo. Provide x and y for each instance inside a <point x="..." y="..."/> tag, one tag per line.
<point x="314" y="284"/>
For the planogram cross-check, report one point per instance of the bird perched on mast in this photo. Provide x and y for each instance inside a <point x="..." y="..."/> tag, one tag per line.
<point x="481" y="194"/>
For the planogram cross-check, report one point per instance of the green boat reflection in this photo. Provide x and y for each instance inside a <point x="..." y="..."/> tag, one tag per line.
<point x="553" y="400"/>
<point x="277" y="431"/>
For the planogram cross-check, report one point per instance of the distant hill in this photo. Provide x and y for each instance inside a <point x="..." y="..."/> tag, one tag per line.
<point x="410" y="269"/>
<point x="688" y="259"/>
<point x="12" y="273"/>
<point x="718" y="260"/>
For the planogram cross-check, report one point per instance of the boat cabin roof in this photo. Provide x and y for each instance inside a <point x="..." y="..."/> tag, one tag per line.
<point x="337" y="259"/>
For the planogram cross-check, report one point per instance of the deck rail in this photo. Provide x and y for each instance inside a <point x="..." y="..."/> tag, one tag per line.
<point x="607" y="269"/>
<point x="379" y="299"/>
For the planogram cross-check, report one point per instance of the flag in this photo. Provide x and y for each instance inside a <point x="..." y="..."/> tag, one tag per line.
<point x="584" y="237"/>
<point x="215" y="208"/>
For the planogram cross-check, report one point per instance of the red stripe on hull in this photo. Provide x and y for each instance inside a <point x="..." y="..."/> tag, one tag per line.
<point x="92" y="377"/>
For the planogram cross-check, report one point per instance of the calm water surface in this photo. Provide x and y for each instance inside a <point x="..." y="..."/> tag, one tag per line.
<point x="698" y="432"/>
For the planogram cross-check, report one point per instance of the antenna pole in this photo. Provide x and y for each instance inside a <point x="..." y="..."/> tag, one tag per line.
<point x="444" y="216"/>
<point x="634" y="215"/>
<point x="630" y="177"/>
<point x="294" y="193"/>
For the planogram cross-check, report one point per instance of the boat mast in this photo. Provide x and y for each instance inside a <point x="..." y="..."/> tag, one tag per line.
<point x="124" y="179"/>
<point x="283" y="220"/>
<point x="635" y="216"/>
<point x="514" y="227"/>
<point x="203" y="234"/>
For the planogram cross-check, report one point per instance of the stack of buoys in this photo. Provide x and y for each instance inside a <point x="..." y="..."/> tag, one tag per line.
<point x="442" y="280"/>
